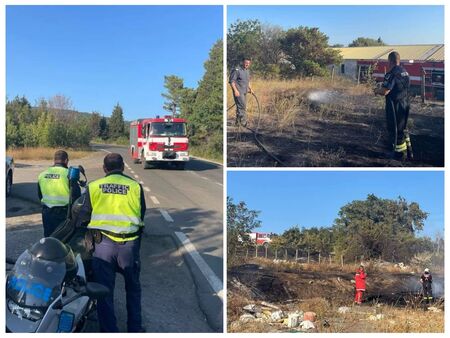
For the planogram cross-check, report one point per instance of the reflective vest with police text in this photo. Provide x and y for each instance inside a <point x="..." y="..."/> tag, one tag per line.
<point x="116" y="206"/>
<point x="54" y="185"/>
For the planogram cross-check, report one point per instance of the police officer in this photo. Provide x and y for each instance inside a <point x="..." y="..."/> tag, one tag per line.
<point x="115" y="205"/>
<point x="240" y="83"/>
<point x="54" y="192"/>
<point x="395" y="88"/>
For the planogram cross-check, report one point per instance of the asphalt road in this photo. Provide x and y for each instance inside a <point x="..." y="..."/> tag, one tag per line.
<point x="182" y="248"/>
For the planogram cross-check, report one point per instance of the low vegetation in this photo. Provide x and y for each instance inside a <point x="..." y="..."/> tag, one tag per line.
<point x="44" y="153"/>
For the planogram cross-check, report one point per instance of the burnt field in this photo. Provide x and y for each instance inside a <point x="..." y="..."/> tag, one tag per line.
<point x="392" y="302"/>
<point x="319" y="123"/>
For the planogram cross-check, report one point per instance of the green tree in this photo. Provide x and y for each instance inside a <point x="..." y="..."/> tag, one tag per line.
<point x="307" y="53"/>
<point x="116" y="122"/>
<point x="94" y="124"/>
<point x="244" y="39"/>
<point x="240" y="222"/>
<point x="175" y="92"/>
<point x="207" y="116"/>
<point x="378" y="228"/>
<point x="104" y="128"/>
<point x="366" y="42"/>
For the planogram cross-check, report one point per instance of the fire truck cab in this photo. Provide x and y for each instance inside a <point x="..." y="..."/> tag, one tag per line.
<point x="158" y="140"/>
<point x="260" y="238"/>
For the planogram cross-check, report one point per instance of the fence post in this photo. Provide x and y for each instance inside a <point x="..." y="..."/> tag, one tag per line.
<point x="285" y="254"/>
<point x="319" y="257"/>
<point x="308" y="256"/>
<point x="342" y="260"/>
<point x="332" y="74"/>
<point x="246" y="253"/>
<point x="296" y="255"/>
<point x="359" y="72"/>
<point x="276" y="253"/>
<point x="330" y="259"/>
<point x="256" y="251"/>
<point x="266" y="249"/>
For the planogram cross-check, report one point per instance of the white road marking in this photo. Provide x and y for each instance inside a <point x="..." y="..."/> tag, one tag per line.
<point x="154" y="199"/>
<point x="106" y="151"/>
<point x="205" y="178"/>
<point x="166" y="215"/>
<point x="136" y="176"/>
<point x="142" y="183"/>
<point x="219" y="184"/>
<point x="131" y="171"/>
<point x="146" y="188"/>
<point x="214" y="281"/>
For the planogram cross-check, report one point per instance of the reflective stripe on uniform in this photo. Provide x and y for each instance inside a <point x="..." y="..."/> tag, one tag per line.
<point x="120" y="218"/>
<point x="408" y="141"/>
<point x="400" y="147"/>
<point x="126" y="229"/>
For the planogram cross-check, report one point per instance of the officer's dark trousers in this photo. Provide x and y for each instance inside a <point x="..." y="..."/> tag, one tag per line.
<point x="397" y="112"/>
<point x="52" y="218"/>
<point x="241" y="106"/>
<point x="110" y="257"/>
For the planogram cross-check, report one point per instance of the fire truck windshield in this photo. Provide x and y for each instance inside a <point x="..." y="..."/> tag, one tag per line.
<point x="168" y="129"/>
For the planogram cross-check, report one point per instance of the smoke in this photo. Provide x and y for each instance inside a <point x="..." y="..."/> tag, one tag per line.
<point x="324" y="96"/>
<point x="413" y="285"/>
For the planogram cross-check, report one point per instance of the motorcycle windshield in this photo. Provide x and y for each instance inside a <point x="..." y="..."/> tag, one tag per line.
<point x="35" y="282"/>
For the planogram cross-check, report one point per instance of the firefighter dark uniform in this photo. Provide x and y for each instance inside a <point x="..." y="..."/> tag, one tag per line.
<point x="54" y="193"/>
<point x="116" y="205"/>
<point x="241" y="77"/>
<point x="397" y="109"/>
<point x="426" y="279"/>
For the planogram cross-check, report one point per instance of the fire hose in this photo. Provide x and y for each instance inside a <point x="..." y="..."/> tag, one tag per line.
<point x="255" y="133"/>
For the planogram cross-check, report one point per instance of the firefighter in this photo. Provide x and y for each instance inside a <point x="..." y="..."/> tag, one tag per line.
<point x="54" y="192"/>
<point x="360" y="284"/>
<point x="115" y="206"/>
<point x="240" y="83"/>
<point x="426" y="280"/>
<point x="395" y="88"/>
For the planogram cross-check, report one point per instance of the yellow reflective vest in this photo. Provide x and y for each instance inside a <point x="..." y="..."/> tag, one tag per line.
<point x="116" y="206"/>
<point x="54" y="185"/>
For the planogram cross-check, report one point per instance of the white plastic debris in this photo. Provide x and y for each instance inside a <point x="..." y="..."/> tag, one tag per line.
<point x="344" y="309"/>
<point x="307" y="325"/>
<point x="277" y="315"/>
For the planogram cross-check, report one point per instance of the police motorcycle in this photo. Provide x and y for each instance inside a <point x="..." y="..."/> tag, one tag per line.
<point x="47" y="290"/>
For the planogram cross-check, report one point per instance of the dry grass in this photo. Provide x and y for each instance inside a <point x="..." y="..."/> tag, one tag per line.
<point x="44" y="153"/>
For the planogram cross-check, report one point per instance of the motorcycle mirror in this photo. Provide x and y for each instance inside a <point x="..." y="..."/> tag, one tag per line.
<point x="81" y="169"/>
<point x="96" y="290"/>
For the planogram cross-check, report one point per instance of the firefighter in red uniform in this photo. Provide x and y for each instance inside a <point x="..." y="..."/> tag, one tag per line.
<point x="360" y="284"/>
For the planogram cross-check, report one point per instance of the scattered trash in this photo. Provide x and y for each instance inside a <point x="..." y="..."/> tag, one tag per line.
<point x="293" y="319"/>
<point x="277" y="315"/>
<point x="252" y="308"/>
<point x="246" y="318"/>
<point x="307" y="325"/>
<point x="434" y="309"/>
<point x="376" y="317"/>
<point x="309" y="316"/>
<point x="269" y="305"/>
<point x="326" y="323"/>
<point x="311" y="282"/>
<point x="344" y="309"/>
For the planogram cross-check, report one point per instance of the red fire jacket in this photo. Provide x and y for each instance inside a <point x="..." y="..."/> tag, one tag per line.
<point x="360" y="280"/>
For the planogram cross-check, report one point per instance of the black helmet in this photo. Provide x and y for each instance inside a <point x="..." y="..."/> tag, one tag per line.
<point x="51" y="249"/>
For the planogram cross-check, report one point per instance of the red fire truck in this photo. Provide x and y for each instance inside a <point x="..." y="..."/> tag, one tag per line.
<point x="158" y="140"/>
<point x="260" y="238"/>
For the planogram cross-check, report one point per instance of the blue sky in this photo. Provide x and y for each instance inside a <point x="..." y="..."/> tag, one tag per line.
<point x="101" y="55"/>
<point x="394" y="24"/>
<point x="305" y="198"/>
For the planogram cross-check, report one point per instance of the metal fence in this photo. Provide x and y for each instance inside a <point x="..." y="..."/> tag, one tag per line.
<point x="294" y="255"/>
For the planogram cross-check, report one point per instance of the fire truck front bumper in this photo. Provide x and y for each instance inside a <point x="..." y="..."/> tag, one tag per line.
<point x="167" y="156"/>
